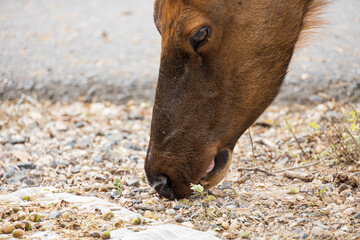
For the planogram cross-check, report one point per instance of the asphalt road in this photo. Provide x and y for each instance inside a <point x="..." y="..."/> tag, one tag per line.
<point x="110" y="50"/>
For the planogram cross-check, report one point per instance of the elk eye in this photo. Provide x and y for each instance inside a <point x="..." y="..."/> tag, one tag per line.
<point x="200" y="38"/>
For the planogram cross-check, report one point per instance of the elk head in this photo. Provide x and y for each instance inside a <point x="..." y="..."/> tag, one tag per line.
<point x="222" y="64"/>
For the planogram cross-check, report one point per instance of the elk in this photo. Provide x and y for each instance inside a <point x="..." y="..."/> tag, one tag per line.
<point x="222" y="64"/>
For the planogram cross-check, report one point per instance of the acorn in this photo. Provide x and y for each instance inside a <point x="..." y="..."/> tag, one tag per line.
<point x="136" y="221"/>
<point x="2" y="213"/>
<point x="105" y="235"/>
<point x="17" y="225"/>
<point x="14" y="218"/>
<point x="95" y="235"/>
<point x="65" y="216"/>
<point x="26" y="198"/>
<point x="18" y="233"/>
<point x="15" y="209"/>
<point x="22" y="215"/>
<point x="9" y="228"/>
<point x="108" y="216"/>
<point x="34" y="217"/>
<point x="25" y="225"/>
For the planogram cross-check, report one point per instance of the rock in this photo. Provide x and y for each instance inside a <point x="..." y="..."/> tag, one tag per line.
<point x="243" y="206"/>
<point x="225" y="185"/>
<point x="303" y="236"/>
<point x="115" y="194"/>
<point x="316" y="99"/>
<point x="20" y="140"/>
<point x="138" y="202"/>
<point x="61" y="162"/>
<point x="75" y="170"/>
<point x="245" y="234"/>
<point x="29" y="182"/>
<point x="71" y="143"/>
<point x="349" y="211"/>
<point x="149" y="214"/>
<point x="317" y="232"/>
<point x="283" y="161"/>
<point x="134" y="158"/>
<point x="12" y="181"/>
<point x="170" y="211"/>
<point x="235" y="225"/>
<point x="225" y="225"/>
<point x="132" y="182"/>
<point x="180" y="206"/>
<point x="179" y="218"/>
<point x="54" y="215"/>
<point x="86" y="143"/>
<point x="140" y="189"/>
<point x="28" y="165"/>
<point x="326" y="187"/>
<point x="188" y="224"/>
<point x="80" y="124"/>
<point x="357" y="215"/>
<point x="231" y="207"/>
<point x="98" y="158"/>
<point x="357" y="236"/>
<point x="100" y="178"/>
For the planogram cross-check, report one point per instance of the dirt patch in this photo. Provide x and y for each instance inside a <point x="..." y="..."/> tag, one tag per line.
<point x="299" y="180"/>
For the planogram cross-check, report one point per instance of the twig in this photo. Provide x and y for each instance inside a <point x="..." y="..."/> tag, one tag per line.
<point x="256" y="170"/>
<point x="306" y="177"/>
<point x="297" y="141"/>
<point x="302" y="166"/>
<point x="252" y="147"/>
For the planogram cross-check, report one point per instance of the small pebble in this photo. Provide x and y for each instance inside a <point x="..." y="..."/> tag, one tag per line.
<point x="357" y="215"/>
<point x="225" y="185"/>
<point x="170" y="211"/>
<point x="317" y="232"/>
<point x="180" y="206"/>
<point x="179" y="218"/>
<point x="95" y="235"/>
<point x="115" y="194"/>
<point x="188" y="224"/>
<point x="65" y="216"/>
<point x="235" y="225"/>
<point x="225" y="225"/>
<point x="132" y="182"/>
<point x="28" y="165"/>
<point x="80" y="124"/>
<point x="303" y="236"/>
<point x="245" y="234"/>
<point x="149" y="214"/>
<point x="29" y="182"/>
<point x="75" y="170"/>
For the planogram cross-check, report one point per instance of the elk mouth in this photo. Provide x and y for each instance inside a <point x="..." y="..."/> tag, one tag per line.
<point x="216" y="169"/>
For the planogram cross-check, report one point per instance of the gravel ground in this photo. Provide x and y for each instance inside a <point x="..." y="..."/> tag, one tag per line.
<point x="109" y="50"/>
<point x="289" y="186"/>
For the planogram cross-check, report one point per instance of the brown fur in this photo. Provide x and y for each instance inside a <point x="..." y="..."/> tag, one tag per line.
<point x="205" y="100"/>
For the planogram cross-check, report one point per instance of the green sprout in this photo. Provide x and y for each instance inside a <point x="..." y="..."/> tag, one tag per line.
<point x="200" y="189"/>
<point x="117" y="184"/>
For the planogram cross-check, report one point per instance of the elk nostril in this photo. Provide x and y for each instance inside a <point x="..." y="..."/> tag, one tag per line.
<point x="162" y="185"/>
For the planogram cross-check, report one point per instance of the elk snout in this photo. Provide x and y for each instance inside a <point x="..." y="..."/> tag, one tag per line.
<point x="162" y="185"/>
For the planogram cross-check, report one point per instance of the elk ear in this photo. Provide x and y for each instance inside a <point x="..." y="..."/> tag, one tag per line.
<point x="312" y="21"/>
